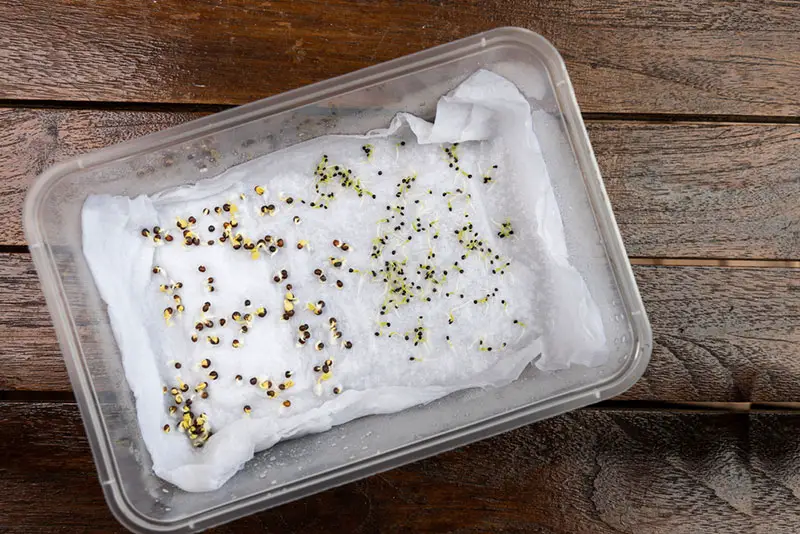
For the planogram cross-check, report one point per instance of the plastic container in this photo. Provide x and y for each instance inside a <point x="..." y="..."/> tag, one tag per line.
<point x="353" y="103"/>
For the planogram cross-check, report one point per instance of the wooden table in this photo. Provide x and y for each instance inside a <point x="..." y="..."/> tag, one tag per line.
<point x="692" y="108"/>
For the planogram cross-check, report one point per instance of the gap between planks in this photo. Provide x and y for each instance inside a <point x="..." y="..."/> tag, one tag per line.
<point x="634" y="260"/>
<point x="67" y="397"/>
<point x="716" y="262"/>
<point x="90" y="105"/>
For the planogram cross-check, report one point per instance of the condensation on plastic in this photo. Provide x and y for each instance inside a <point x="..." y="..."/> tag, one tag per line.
<point x="353" y="103"/>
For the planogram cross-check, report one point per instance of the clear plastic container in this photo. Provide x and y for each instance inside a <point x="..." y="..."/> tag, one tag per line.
<point x="354" y="103"/>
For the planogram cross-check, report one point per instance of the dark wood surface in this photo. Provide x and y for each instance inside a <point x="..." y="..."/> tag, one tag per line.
<point x="605" y="471"/>
<point x="693" y="110"/>
<point x="696" y="56"/>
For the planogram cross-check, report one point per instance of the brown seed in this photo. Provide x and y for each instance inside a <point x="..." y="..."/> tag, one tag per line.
<point x="329" y="362"/>
<point x="168" y="238"/>
<point x="284" y="274"/>
<point x="281" y="386"/>
<point x="145" y="232"/>
<point x="204" y="394"/>
<point x="280" y="243"/>
<point x="192" y="220"/>
<point x="246" y="408"/>
<point x="205" y="364"/>
<point x="287" y="403"/>
<point x="238" y="378"/>
<point x="222" y="321"/>
<point x="271" y="393"/>
<point x="339" y="284"/>
<point x="345" y="247"/>
<point x="206" y="306"/>
<point x="336" y="391"/>
<point x="178" y="365"/>
<point x="303" y="327"/>
<point x="336" y="243"/>
<point x="276" y="279"/>
<point x="254" y="381"/>
<point x="226" y="207"/>
<point x="202" y="268"/>
<point x="348" y="345"/>
<point x="213" y="375"/>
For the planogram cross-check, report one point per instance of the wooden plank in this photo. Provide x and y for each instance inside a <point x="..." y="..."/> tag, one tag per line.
<point x="721" y="334"/>
<point x="32" y="140"/>
<point x="678" y="189"/>
<point x="588" y="471"/>
<point x="697" y="56"/>
<point x="724" y="335"/>
<point x="703" y="190"/>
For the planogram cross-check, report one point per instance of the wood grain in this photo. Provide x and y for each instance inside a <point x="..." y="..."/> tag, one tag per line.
<point x="32" y="140"/>
<point x="696" y="56"/>
<point x="703" y="190"/>
<point x="721" y="334"/>
<point x="724" y="335"/>
<point x="598" y="471"/>
<point x="678" y="189"/>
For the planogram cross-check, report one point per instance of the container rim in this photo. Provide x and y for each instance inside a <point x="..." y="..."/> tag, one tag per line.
<point x="66" y="332"/>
